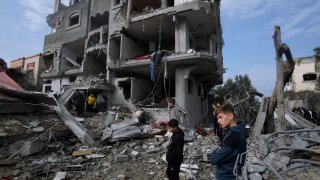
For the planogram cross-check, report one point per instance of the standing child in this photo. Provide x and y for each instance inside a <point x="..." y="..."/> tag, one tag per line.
<point x="174" y="155"/>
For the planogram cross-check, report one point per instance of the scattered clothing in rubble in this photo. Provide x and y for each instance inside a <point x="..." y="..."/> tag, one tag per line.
<point x="174" y="155"/>
<point x="152" y="72"/>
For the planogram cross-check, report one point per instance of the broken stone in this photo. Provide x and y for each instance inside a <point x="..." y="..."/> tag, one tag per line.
<point x="121" y="177"/>
<point x="78" y="160"/>
<point x="106" y="164"/>
<point x="133" y="144"/>
<point x="16" y="172"/>
<point x="32" y="148"/>
<point x="134" y="153"/>
<point x="255" y="176"/>
<point x="60" y="175"/>
<point x="121" y="158"/>
<point x="95" y="156"/>
<point x="34" y="123"/>
<point x="256" y="168"/>
<point x="297" y="142"/>
<point x="38" y="129"/>
<point x="280" y="163"/>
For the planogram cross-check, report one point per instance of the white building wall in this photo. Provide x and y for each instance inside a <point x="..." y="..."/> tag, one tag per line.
<point x="301" y="68"/>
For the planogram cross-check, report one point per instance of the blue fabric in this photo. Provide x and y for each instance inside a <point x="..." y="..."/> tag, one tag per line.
<point x="226" y="156"/>
<point x="152" y="71"/>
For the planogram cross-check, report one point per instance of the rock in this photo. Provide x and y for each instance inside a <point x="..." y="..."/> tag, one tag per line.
<point x="297" y="142"/>
<point x="78" y="160"/>
<point x="16" y="172"/>
<point x="38" y="129"/>
<point x="121" y="158"/>
<point x="256" y="168"/>
<point x="280" y="163"/>
<point x="121" y="177"/>
<point x="255" y="176"/>
<point x="34" y="123"/>
<point x="60" y="175"/>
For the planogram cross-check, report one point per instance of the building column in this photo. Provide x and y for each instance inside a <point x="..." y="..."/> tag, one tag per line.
<point x="182" y="35"/>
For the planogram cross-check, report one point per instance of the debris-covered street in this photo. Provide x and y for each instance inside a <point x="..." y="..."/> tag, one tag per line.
<point x="141" y="89"/>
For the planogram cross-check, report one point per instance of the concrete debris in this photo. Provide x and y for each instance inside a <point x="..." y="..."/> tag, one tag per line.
<point x="82" y="152"/>
<point x="266" y="160"/>
<point x="60" y="176"/>
<point x="252" y="168"/>
<point x="119" y="144"/>
<point x="255" y="176"/>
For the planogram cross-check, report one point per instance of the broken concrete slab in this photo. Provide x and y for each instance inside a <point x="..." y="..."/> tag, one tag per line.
<point x="78" y="129"/>
<point x="60" y="176"/>
<point x="252" y="168"/>
<point x="123" y="124"/>
<point x="126" y="133"/>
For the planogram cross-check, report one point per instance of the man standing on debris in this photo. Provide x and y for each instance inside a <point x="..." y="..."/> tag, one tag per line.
<point x="174" y="156"/>
<point x="78" y="101"/>
<point x="91" y="101"/>
<point x="233" y="144"/>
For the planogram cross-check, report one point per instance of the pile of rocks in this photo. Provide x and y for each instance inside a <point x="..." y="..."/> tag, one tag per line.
<point x="289" y="154"/>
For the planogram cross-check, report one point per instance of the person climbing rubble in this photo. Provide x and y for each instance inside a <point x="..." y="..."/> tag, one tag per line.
<point x="78" y="102"/>
<point x="233" y="143"/>
<point x="174" y="155"/>
<point x="91" y="101"/>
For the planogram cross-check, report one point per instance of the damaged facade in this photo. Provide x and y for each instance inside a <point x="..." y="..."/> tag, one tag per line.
<point x="305" y="75"/>
<point x="148" y="52"/>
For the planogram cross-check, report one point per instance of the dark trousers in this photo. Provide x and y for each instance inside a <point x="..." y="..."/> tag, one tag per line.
<point x="79" y="109"/>
<point x="173" y="171"/>
<point x="89" y="108"/>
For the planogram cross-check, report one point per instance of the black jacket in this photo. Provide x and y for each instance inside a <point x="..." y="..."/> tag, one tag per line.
<point x="175" y="148"/>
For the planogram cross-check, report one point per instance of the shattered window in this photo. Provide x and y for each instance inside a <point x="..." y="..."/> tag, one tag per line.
<point x="74" y="20"/>
<point x="59" y="22"/>
<point x="309" y="77"/>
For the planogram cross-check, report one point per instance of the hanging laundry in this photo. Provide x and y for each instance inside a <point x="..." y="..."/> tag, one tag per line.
<point x="152" y="71"/>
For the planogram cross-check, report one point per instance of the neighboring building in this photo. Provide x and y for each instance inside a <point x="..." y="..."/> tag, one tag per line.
<point x="116" y="38"/>
<point x="32" y="66"/>
<point x="305" y="74"/>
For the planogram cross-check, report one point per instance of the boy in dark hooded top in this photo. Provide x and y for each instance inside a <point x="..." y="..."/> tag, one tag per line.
<point x="233" y="144"/>
<point x="174" y="155"/>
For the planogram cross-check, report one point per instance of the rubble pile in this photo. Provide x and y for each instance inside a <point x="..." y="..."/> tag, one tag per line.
<point x="284" y="155"/>
<point x="58" y="154"/>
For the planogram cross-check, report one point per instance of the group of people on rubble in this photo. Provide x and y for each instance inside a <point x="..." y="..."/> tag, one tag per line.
<point x="90" y="104"/>
<point x="232" y="145"/>
<point x="311" y="116"/>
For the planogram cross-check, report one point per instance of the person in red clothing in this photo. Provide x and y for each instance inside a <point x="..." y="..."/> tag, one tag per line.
<point x="174" y="155"/>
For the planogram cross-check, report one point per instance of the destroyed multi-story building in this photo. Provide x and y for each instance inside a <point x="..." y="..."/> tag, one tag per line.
<point x="148" y="52"/>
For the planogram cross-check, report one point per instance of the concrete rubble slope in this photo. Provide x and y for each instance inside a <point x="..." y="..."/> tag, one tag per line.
<point x="142" y="154"/>
<point x="136" y="158"/>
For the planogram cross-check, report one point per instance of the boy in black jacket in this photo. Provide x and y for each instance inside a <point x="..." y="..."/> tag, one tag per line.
<point x="233" y="144"/>
<point x="174" y="155"/>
